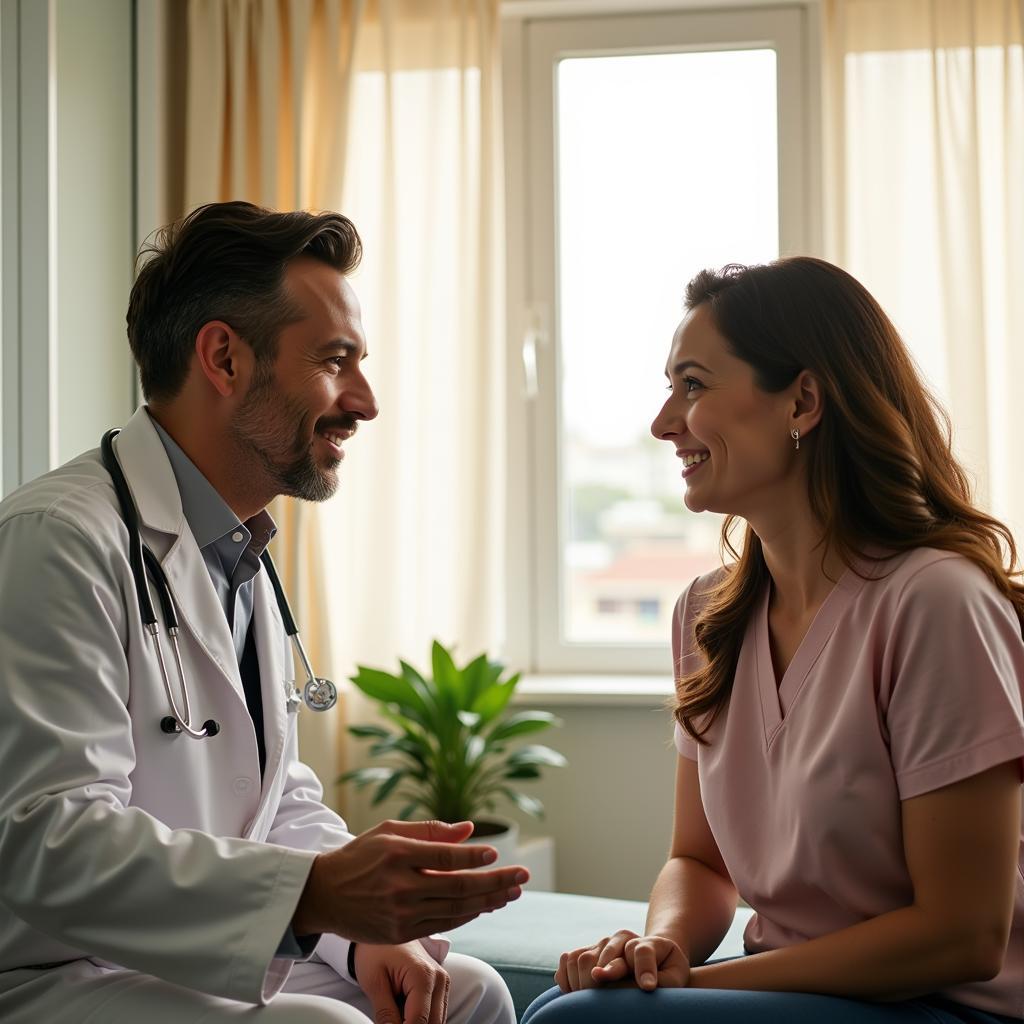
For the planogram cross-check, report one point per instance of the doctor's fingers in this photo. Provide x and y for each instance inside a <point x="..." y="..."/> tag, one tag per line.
<point x="382" y="999"/>
<point x="425" y="831"/>
<point x="420" y="998"/>
<point x="440" y="856"/>
<point x="446" y="995"/>
<point x="438" y="1001"/>
<point x="457" y="884"/>
<point x="435" y="912"/>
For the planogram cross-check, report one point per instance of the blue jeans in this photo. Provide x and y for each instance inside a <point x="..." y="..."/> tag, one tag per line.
<point x="731" y="1006"/>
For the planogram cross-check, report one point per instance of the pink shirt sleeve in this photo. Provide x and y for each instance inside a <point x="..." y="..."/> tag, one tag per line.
<point x="954" y="707"/>
<point x="686" y="656"/>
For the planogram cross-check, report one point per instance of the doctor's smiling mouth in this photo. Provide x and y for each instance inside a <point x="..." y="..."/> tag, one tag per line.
<point x="306" y="466"/>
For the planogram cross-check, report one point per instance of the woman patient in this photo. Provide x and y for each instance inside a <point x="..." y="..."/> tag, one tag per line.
<point x="849" y="689"/>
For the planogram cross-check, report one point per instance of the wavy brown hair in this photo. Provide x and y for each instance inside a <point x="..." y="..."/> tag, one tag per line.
<point x="881" y="470"/>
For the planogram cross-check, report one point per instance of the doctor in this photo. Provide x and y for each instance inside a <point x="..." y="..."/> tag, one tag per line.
<point x="147" y="874"/>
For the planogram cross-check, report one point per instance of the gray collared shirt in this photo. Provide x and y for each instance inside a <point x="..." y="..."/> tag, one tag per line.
<point x="230" y="548"/>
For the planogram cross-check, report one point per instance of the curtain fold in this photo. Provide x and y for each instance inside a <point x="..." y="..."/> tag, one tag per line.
<point x="388" y="111"/>
<point x="925" y="164"/>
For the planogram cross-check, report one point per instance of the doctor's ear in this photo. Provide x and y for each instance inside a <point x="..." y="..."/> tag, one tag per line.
<point x="224" y="358"/>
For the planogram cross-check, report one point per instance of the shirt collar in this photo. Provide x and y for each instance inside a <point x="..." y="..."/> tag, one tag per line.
<point x="208" y="515"/>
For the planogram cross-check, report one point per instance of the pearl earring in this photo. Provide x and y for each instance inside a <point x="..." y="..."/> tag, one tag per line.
<point x="795" y="434"/>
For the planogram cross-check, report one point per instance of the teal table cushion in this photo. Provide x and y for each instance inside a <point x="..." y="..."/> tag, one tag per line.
<point x="523" y="941"/>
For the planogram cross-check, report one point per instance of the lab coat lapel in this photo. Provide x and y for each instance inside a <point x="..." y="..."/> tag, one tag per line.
<point x="155" y="490"/>
<point x="275" y="670"/>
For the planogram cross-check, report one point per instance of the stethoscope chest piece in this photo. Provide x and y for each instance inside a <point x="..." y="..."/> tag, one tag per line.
<point x="320" y="694"/>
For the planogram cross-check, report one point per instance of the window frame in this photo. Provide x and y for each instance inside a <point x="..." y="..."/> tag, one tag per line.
<point x="532" y="46"/>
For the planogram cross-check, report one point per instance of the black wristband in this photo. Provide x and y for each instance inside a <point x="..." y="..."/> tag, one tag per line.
<point x="352" y="960"/>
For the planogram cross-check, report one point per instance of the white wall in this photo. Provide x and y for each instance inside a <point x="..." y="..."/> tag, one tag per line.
<point x="610" y="810"/>
<point x="95" y="234"/>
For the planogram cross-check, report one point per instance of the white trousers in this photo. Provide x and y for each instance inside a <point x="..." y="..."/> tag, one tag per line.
<point x="80" y="993"/>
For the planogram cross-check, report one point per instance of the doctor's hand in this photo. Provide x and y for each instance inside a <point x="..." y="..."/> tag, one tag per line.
<point x="648" y="962"/>
<point x="402" y="880"/>
<point x="403" y="983"/>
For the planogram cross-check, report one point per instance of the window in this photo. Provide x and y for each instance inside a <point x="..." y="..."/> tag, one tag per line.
<point x="653" y="146"/>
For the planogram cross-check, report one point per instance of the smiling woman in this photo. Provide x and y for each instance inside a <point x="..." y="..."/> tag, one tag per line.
<point x="849" y="689"/>
<point x="718" y="409"/>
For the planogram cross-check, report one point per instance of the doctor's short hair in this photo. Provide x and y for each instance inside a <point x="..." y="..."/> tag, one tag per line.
<point x="224" y="261"/>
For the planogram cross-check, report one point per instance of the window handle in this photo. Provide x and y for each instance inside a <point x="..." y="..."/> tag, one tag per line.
<point x="534" y="336"/>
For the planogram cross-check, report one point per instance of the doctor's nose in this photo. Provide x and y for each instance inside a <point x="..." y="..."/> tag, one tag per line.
<point x="358" y="400"/>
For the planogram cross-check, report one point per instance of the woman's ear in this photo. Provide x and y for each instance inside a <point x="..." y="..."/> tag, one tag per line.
<point x="808" y="404"/>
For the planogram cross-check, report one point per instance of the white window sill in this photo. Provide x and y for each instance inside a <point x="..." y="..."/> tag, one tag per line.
<point x="594" y="691"/>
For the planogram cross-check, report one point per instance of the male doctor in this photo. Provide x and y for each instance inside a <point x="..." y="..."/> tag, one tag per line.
<point x="146" y="875"/>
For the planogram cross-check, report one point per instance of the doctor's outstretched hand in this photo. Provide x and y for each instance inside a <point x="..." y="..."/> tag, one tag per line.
<point x="402" y="880"/>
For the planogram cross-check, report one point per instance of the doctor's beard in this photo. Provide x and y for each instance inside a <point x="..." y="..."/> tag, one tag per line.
<point x="272" y="428"/>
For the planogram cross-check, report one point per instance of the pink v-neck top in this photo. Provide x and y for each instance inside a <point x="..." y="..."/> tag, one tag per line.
<point x="902" y="685"/>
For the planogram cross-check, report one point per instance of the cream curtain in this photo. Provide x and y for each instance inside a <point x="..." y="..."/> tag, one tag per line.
<point x="388" y="112"/>
<point x="925" y="169"/>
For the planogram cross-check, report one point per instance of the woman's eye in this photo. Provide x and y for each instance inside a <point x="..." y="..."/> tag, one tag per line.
<point x="337" y="360"/>
<point x="691" y="383"/>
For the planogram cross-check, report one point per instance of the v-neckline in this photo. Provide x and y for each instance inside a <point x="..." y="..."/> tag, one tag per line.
<point x="785" y="694"/>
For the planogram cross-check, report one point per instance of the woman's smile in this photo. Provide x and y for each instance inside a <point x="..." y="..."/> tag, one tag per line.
<point x="692" y="461"/>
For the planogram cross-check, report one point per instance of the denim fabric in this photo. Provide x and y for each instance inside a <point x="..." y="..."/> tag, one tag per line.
<point x="730" y="1006"/>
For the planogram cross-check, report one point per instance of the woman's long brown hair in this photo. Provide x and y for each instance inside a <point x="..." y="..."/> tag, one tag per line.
<point x="881" y="470"/>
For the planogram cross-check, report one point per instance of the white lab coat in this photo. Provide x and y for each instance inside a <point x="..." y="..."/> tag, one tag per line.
<point x="162" y="854"/>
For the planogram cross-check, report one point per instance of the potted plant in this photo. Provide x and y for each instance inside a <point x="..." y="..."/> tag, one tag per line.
<point x="449" y="751"/>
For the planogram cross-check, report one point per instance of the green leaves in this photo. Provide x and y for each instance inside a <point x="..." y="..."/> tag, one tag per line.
<point x="528" y="804"/>
<point x="449" y="738"/>
<point x="389" y="689"/>
<point x="494" y="697"/>
<point x="522" y="723"/>
<point x="537" y="755"/>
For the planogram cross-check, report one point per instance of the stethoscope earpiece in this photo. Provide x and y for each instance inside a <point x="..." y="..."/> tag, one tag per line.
<point x="319" y="694"/>
<point x="170" y="725"/>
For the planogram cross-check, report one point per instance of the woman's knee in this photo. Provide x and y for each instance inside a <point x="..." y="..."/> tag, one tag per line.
<point x="591" y="1006"/>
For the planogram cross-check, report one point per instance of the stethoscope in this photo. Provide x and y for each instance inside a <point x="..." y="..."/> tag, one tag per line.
<point x="318" y="694"/>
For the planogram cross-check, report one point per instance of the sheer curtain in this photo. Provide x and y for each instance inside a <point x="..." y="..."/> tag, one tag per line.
<point x="925" y="166"/>
<point x="387" y="111"/>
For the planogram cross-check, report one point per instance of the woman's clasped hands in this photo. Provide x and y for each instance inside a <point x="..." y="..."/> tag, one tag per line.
<point x="624" y="960"/>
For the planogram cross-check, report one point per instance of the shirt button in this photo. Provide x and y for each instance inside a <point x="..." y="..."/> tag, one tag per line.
<point x="238" y="536"/>
<point x="242" y="785"/>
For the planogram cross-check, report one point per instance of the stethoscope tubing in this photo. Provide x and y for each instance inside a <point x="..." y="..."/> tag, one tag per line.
<point x="318" y="694"/>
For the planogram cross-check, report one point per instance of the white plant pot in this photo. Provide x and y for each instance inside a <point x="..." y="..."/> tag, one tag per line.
<point x="501" y="834"/>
